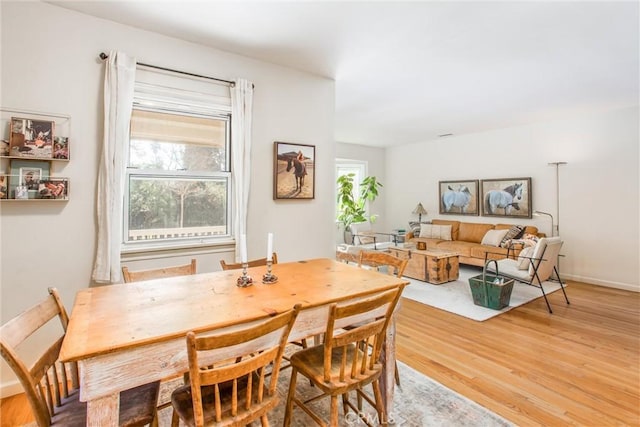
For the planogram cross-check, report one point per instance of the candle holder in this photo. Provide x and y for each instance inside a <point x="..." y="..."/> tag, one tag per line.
<point x="269" y="278"/>
<point x="244" y="280"/>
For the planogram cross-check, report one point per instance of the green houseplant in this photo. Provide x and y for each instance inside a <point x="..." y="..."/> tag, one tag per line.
<point x="351" y="209"/>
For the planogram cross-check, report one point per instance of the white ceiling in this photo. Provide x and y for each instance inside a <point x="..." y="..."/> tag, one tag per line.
<point x="410" y="71"/>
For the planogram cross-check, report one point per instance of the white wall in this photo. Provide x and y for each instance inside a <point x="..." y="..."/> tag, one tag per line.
<point x="599" y="187"/>
<point x="50" y="64"/>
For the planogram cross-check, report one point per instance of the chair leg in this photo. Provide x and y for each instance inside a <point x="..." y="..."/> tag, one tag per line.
<point x="555" y="270"/>
<point x="175" y="420"/>
<point x="345" y="399"/>
<point x="545" y="299"/>
<point x="264" y="420"/>
<point x="397" y="375"/>
<point x="290" y="397"/>
<point x="334" y="411"/>
<point x="382" y="417"/>
<point x="359" y="399"/>
<point x="536" y="277"/>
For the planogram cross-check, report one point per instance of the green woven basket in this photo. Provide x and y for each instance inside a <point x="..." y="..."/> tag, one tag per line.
<point x="488" y="294"/>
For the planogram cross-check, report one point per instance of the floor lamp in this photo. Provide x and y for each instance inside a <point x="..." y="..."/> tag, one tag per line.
<point x="538" y="213"/>
<point x="557" y="165"/>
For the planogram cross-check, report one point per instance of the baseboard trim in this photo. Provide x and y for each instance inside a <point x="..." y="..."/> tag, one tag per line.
<point x="605" y="283"/>
<point x="10" y="388"/>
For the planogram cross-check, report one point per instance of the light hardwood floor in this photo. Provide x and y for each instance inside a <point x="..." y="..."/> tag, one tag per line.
<point x="578" y="366"/>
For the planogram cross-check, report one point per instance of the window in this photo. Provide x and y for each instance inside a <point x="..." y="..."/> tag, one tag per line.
<point x="178" y="178"/>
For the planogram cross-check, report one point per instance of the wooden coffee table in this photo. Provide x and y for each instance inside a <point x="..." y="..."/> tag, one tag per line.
<point x="435" y="267"/>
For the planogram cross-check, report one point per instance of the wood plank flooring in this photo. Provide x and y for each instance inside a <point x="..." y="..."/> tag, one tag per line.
<point x="578" y="366"/>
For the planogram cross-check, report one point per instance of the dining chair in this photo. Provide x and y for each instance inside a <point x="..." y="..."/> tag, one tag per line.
<point x="348" y="360"/>
<point x="383" y="262"/>
<point x="158" y="273"/>
<point x="228" y="371"/>
<point x="51" y="386"/>
<point x="390" y="264"/>
<point x="252" y="263"/>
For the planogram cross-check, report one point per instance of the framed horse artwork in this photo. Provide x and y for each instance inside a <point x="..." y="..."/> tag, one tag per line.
<point x="294" y="171"/>
<point x="459" y="197"/>
<point x="509" y="197"/>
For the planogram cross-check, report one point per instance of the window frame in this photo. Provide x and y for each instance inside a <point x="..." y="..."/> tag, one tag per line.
<point x="223" y="175"/>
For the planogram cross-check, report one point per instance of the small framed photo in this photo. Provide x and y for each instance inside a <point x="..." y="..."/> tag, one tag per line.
<point x="4" y="186"/>
<point x="30" y="177"/>
<point x="459" y="197"/>
<point x="4" y="148"/>
<point x="31" y="138"/>
<point x="61" y="147"/>
<point x="57" y="188"/>
<point x="510" y="197"/>
<point x="27" y="174"/>
<point x="294" y="171"/>
<point x="21" y="192"/>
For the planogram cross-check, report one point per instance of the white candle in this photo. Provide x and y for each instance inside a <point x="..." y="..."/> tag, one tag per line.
<point x="243" y="248"/>
<point x="269" y="246"/>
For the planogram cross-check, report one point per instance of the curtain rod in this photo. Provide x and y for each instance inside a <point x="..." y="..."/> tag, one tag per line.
<point x="104" y="56"/>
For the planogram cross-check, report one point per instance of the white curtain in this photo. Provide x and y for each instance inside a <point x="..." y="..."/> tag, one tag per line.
<point x="118" y="101"/>
<point x="241" y="106"/>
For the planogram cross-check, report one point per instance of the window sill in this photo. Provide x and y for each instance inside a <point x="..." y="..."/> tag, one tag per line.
<point x="178" y="248"/>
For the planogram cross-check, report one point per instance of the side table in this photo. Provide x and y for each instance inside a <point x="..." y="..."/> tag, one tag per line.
<point x="398" y="236"/>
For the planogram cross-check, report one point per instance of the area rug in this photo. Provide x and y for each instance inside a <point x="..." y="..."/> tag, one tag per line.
<point x="455" y="297"/>
<point x="419" y="401"/>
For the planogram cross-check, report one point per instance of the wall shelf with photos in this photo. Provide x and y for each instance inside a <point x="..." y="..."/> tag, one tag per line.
<point x="30" y="144"/>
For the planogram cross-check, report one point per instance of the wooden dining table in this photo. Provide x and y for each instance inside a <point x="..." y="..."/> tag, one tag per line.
<point x="126" y="335"/>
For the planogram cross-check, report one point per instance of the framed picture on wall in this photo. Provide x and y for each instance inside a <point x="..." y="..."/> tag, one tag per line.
<point x="510" y="197"/>
<point x="294" y="171"/>
<point x="459" y="197"/>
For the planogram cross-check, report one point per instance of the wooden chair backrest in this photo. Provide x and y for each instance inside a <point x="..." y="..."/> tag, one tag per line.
<point x="370" y="317"/>
<point x="376" y="259"/>
<point x="238" y="356"/>
<point x="252" y="263"/>
<point x="158" y="273"/>
<point x="46" y="381"/>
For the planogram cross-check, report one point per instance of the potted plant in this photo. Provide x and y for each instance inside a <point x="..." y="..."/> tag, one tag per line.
<point x="351" y="209"/>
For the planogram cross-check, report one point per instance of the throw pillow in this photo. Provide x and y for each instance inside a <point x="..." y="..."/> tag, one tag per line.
<point x="430" y="231"/>
<point x="513" y="233"/>
<point x="414" y="227"/>
<point x="529" y="240"/>
<point x="493" y="237"/>
<point x="524" y="258"/>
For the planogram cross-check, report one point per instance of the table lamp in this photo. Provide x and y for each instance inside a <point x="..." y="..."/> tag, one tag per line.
<point x="419" y="210"/>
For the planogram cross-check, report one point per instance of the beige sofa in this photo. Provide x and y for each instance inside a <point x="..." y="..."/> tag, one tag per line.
<point x="466" y="238"/>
